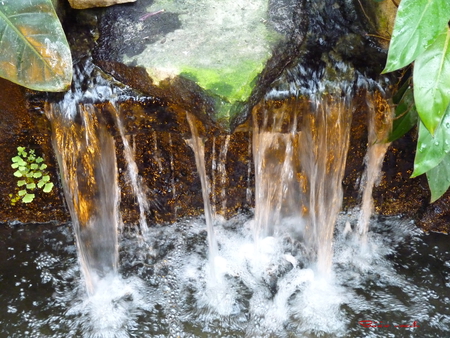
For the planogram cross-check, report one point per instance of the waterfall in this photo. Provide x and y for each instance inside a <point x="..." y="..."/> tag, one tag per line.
<point x="223" y="173"/>
<point x="323" y="154"/>
<point x="379" y="126"/>
<point x="197" y="145"/>
<point x="86" y="155"/>
<point x="300" y="155"/>
<point x="133" y="174"/>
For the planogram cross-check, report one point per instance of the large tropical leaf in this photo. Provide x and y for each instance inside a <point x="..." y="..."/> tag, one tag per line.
<point x="417" y="24"/>
<point x="431" y="79"/>
<point x="439" y="178"/>
<point x="431" y="149"/>
<point x="33" y="48"/>
<point x="405" y="116"/>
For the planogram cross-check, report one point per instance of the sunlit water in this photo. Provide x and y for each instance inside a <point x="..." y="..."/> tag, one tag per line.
<point x="273" y="290"/>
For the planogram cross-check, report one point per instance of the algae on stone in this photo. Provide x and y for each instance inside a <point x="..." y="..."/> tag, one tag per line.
<point x="221" y="46"/>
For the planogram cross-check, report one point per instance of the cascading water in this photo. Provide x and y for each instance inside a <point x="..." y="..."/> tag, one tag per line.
<point x="87" y="158"/>
<point x="133" y="174"/>
<point x="197" y="145"/>
<point x="288" y="270"/>
<point x="300" y="158"/>
<point x="86" y="153"/>
<point x="379" y="127"/>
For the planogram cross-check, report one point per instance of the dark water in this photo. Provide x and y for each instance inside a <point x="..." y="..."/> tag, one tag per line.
<point x="164" y="288"/>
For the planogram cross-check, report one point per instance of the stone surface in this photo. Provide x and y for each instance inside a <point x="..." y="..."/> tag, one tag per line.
<point x="221" y="47"/>
<point x="20" y="125"/>
<point x="83" y="4"/>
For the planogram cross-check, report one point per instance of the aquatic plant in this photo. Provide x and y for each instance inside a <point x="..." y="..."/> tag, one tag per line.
<point x="422" y="35"/>
<point x="32" y="174"/>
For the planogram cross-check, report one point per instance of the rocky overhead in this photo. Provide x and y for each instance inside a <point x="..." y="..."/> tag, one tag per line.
<point x="83" y="4"/>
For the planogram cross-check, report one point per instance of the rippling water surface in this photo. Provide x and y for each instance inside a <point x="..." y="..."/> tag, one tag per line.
<point x="400" y="280"/>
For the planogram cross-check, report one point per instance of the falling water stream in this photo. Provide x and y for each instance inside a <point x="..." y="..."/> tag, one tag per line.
<point x="292" y="267"/>
<point x="133" y="173"/>
<point x="379" y="127"/>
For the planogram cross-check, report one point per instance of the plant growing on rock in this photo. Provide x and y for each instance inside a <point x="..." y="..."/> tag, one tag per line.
<point x="31" y="173"/>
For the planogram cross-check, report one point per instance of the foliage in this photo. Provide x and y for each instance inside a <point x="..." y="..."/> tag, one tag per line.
<point x="422" y="35"/>
<point x="32" y="175"/>
<point x="34" y="51"/>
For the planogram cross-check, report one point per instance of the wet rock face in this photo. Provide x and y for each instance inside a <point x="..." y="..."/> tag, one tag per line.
<point x="155" y="119"/>
<point x="22" y="127"/>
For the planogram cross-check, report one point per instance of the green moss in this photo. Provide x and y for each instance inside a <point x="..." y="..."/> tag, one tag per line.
<point x="230" y="84"/>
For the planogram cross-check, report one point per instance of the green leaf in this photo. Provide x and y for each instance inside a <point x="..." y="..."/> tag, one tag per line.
<point x="37" y="174"/>
<point x="21" y="183"/>
<point x="15" y="165"/>
<point x="432" y="81"/>
<point x="34" y="49"/>
<point x="431" y="150"/>
<point x="18" y="173"/>
<point x="406" y="116"/>
<point x="39" y="159"/>
<point x="31" y="186"/>
<point x="43" y="166"/>
<point x="19" y="160"/>
<point x="22" y="192"/>
<point x="29" y="175"/>
<point x="398" y="96"/>
<point x="45" y="178"/>
<point x="439" y="178"/>
<point x="40" y="184"/>
<point x="417" y="24"/>
<point x="28" y="198"/>
<point x="34" y="166"/>
<point x="23" y="169"/>
<point x="48" y="187"/>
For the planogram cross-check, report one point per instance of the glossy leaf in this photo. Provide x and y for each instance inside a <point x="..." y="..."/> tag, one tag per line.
<point x="33" y="48"/>
<point x="439" y="178"/>
<point x="398" y="95"/>
<point x="405" y="116"/>
<point x="432" y="81"/>
<point x="431" y="150"/>
<point x="417" y="24"/>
